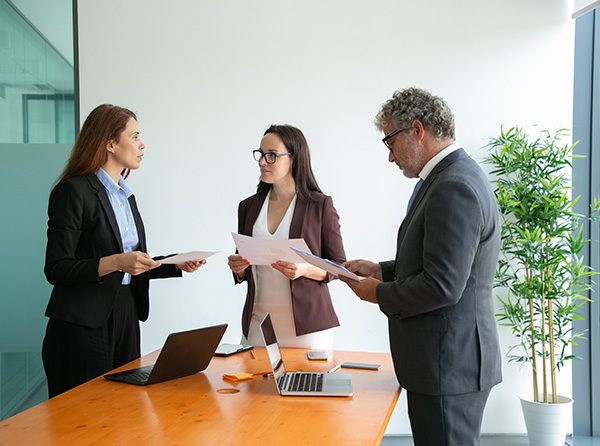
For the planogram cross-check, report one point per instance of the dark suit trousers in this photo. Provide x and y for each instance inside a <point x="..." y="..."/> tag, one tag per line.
<point x="73" y="354"/>
<point x="447" y="420"/>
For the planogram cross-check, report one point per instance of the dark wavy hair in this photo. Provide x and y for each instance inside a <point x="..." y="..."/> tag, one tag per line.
<point x="295" y="143"/>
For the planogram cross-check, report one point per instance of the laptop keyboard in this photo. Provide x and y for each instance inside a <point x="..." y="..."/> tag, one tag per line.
<point x="140" y="376"/>
<point x="301" y="382"/>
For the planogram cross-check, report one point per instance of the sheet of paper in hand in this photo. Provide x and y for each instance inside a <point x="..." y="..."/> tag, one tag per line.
<point x="260" y="251"/>
<point x="327" y="265"/>
<point x="186" y="257"/>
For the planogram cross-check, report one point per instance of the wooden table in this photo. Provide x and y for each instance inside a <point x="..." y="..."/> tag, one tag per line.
<point x="192" y="411"/>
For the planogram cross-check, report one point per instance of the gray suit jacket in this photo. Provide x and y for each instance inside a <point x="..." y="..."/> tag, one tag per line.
<point x="437" y="294"/>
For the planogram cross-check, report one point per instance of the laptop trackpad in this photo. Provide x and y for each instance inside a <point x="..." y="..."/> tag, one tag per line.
<point x="338" y="383"/>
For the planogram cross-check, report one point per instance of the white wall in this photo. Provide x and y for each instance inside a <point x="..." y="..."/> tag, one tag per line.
<point x="207" y="78"/>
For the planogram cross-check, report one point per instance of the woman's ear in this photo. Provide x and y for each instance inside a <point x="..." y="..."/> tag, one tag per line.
<point x="110" y="146"/>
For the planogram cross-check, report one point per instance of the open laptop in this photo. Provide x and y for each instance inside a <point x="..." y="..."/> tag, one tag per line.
<point x="183" y="354"/>
<point x="301" y="383"/>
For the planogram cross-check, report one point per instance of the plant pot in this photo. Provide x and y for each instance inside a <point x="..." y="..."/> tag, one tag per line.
<point x="546" y="422"/>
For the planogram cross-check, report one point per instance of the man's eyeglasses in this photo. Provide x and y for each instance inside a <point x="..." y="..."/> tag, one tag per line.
<point x="270" y="157"/>
<point x="387" y="139"/>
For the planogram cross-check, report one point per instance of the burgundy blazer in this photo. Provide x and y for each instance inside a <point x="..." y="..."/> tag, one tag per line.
<point x="317" y="222"/>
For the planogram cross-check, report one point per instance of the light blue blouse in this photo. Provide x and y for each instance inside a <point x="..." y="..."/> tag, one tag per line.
<point x="119" y="194"/>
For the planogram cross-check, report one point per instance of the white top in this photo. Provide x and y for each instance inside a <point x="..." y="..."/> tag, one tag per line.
<point x="273" y="293"/>
<point x="272" y="287"/>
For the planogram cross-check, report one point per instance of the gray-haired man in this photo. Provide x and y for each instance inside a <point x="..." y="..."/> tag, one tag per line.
<point x="437" y="293"/>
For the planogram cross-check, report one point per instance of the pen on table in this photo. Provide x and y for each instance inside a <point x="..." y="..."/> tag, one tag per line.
<point x="334" y="368"/>
<point x="252" y="354"/>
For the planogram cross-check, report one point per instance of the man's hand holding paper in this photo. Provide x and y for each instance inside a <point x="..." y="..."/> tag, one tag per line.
<point x="324" y="264"/>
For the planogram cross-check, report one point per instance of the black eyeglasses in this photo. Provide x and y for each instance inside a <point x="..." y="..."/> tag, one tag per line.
<point x="270" y="157"/>
<point x="387" y="139"/>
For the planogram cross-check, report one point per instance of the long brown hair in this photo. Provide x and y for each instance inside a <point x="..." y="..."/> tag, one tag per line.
<point x="105" y="123"/>
<point x="295" y="143"/>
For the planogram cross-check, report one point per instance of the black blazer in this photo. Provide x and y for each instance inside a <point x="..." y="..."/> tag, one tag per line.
<point x="317" y="222"/>
<point x="437" y="294"/>
<point x="82" y="228"/>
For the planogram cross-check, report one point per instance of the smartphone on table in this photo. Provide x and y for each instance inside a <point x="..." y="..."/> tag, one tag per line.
<point x="231" y="349"/>
<point x="360" y="365"/>
<point x="315" y="355"/>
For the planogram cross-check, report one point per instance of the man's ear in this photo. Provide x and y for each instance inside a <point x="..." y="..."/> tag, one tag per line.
<point x="419" y="129"/>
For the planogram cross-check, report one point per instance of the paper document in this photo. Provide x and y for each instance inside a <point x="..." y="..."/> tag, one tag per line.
<point x="187" y="257"/>
<point x="259" y="251"/>
<point x="327" y="265"/>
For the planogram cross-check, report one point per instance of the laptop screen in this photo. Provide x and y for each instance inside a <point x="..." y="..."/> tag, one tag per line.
<point x="268" y="332"/>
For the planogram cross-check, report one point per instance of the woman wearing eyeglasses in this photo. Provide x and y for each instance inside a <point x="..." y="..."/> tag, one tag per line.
<point x="288" y="204"/>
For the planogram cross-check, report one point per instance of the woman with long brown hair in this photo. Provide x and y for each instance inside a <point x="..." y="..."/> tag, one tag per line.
<point x="289" y="204"/>
<point x="96" y="256"/>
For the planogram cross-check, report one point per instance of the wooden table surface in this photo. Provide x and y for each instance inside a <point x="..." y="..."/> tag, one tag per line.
<point x="193" y="411"/>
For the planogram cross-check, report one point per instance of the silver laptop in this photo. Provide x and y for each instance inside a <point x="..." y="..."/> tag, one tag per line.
<point x="301" y="383"/>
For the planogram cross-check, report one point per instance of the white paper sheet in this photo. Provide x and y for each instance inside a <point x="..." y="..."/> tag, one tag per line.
<point x="187" y="257"/>
<point x="327" y="265"/>
<point x="259" y="251"/>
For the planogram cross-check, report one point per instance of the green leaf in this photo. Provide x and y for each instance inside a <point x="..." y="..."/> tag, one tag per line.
<point x="541" y="238"/>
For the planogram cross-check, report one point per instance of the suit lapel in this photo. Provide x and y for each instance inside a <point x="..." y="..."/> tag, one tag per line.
<point x="108" y="210"/>
<point x="298" y="218"/>
<point x="420" y="194"/>
<point x="252" y="213"/>
<point x="443" y="164"/>
<point x="139" y="225"/>
<point x="411" y="211"/>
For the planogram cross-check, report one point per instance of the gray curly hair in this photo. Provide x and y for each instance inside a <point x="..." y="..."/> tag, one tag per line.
<point x="413" y="103"/>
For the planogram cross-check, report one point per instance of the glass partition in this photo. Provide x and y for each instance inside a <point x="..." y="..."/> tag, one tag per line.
<point x="37" y="131"/>
<point x="36" y="79"/>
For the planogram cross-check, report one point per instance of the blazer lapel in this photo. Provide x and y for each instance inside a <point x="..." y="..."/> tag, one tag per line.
<point x="419" y="196"/>
<point x="451" y="158"/>
<point x="139" y="224"/>
<point x="298" y="218"/>
<point x="411" y="211"/>
<point x="252" y="213"/>
<point x="108" y="210"/>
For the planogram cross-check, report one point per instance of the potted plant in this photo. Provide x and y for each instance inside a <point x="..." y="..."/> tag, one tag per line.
<point x="542" y="277"/>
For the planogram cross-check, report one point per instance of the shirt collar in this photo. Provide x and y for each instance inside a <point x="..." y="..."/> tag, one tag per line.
<point x="428" y="167"/>
<point x="110" y="185"/>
